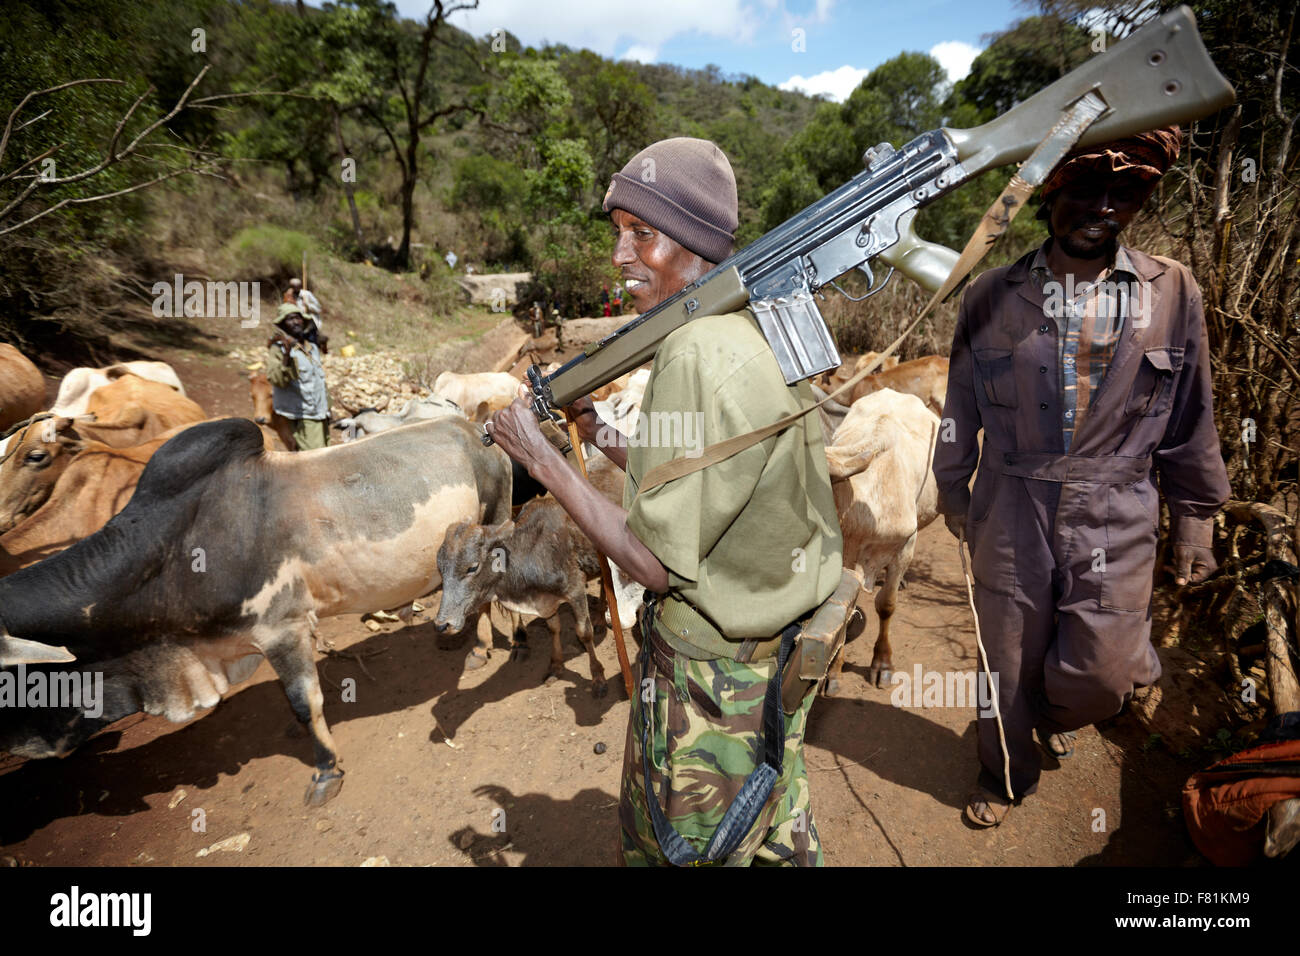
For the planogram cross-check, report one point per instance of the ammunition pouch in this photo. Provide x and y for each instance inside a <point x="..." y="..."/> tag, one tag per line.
<point x="820" y="639"/>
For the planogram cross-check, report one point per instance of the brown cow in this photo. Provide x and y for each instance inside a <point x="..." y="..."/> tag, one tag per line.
<point x="80" y="383"/>
<point x="264" y="413"/>
<point x="852" y="365"/>
<point x="22" y="387"/>
<point x="131" y="410"/>
<point x="926" y="378"/>
<point x="59" y="487"/>
<point x="56" y="493"/>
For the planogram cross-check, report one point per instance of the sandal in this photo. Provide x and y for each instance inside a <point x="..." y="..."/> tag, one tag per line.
<point x="982" y="800"/>
<point x="1060" y="746"/>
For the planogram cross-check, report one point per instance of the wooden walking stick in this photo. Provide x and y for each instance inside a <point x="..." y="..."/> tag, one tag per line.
<point x="606" y="579"/>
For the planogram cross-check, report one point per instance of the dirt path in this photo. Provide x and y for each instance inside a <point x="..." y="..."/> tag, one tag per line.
<point x="434" y="754"/>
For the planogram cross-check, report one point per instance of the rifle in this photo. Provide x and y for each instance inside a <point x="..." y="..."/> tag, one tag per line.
<point x="1158" y="76"/>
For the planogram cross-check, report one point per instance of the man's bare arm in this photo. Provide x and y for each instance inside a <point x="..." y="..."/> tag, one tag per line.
<point x="516" y="431"/>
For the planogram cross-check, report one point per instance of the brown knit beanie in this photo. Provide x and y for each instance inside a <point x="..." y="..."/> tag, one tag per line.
<point x="684" y="188"/>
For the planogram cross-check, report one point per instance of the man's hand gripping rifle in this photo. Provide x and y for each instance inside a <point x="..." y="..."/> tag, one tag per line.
<point x="1159" y="76"/>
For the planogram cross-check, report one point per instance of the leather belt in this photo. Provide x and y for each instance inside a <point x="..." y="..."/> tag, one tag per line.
<point x="1050" y="466"/>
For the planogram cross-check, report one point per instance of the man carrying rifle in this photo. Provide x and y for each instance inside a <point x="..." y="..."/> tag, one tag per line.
<point x="1086" y="366"/>
<point x="733" y="553"/>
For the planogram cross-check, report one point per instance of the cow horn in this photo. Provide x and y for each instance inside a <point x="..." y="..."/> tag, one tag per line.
<point x="15" y="650"/>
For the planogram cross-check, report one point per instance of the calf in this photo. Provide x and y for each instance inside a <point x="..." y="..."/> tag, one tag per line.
<point x="852" y="365"/>
<point x="885" y="493"/>
<point x="264" y="413"/>
<point x="529" y="566"/>
<point x="228" y="553"/>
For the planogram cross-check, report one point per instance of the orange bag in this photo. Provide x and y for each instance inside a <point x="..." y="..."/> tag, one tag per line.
<point x="1225" y="804"/>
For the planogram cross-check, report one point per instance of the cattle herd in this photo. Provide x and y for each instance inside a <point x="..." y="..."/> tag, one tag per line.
<point x="169" y="553"/>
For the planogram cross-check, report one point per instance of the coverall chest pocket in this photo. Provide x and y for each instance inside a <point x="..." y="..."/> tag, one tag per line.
<point x="997" y="377"/>
<point x="1153" y="387"/>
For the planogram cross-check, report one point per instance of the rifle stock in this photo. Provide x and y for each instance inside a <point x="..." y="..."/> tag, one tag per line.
<point x="1160" y="75"/>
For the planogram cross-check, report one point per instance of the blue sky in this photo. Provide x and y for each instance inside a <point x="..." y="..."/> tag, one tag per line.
<point x="841" y="42"/>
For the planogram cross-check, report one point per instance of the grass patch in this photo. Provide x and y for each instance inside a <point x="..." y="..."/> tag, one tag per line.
<point x="270" y="250"/>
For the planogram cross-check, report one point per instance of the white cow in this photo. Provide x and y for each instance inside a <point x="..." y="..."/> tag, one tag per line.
<point x="370" y="422"/>
<point x="478" y="393"/>
<point x="880" y="465"/>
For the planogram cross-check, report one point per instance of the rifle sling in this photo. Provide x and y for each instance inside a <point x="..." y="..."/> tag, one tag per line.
<point x="721" y="451"/>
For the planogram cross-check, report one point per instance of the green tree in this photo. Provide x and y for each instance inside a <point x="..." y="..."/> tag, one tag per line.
<point x="1021" y="61"/>
<point x="384" y="68"/>
<point x="612" y="109"/>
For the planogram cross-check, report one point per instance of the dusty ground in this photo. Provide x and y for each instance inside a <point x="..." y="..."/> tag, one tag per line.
<point x="433" y="753"/>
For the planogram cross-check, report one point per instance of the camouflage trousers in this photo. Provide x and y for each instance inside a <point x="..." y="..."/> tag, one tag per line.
<point x="706" y="738"/>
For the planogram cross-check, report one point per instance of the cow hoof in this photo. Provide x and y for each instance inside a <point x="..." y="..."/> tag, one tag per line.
<point x="550" y="679"/>
<point x="879" y="676"/>
<point x="599" y="689"/>
<point x="323" y="788"/>
<point x="475" y="659"/>
<point x="832" y="688"/>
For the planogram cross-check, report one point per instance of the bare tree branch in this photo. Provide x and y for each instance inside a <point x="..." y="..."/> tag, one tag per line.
<point x="86" y="199"/>
<point x="4" y="139"/>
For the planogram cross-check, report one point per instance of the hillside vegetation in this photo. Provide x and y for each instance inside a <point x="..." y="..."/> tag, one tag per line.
<point x="375" y="146"/>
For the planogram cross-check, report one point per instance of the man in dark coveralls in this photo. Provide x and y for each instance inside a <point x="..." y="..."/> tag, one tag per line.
<point x="1086" y="365"/>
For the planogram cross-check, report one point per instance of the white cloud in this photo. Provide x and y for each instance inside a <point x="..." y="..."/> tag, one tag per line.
<point x="838" y="84"/>
<point x="955" y="57"/>
<point x="604" y="27"/>
<point x="641" y="54"/>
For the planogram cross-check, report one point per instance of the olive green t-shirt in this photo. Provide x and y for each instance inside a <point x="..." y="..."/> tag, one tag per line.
<point x="753" y="541"/>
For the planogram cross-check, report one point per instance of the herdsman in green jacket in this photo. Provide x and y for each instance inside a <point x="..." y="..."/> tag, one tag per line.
<point x="733" y="553"/>
<point x="297" y="375"/>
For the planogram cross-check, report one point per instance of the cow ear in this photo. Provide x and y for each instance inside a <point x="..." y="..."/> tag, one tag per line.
<point x="68" y="436"/>
<point x="15" y="650"/>
<point x="846" y="463"/>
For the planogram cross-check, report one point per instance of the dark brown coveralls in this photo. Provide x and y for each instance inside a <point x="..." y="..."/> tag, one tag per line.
<point x="1064" y="546"/>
